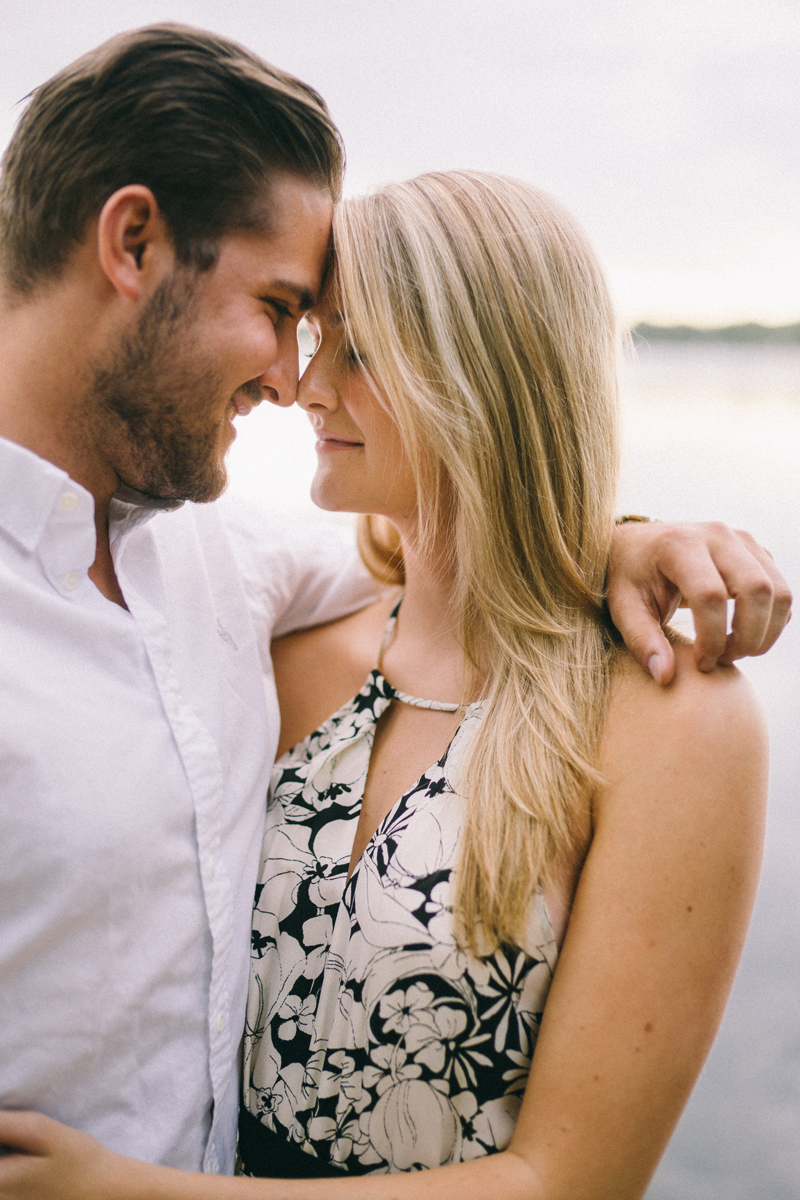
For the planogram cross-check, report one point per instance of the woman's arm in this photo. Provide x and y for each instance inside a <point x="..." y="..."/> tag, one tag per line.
<point x="655" y="934"/>
<point x="656" y="931"/>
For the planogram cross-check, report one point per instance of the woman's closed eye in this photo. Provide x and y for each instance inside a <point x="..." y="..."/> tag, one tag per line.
<point x="351" y="355"/>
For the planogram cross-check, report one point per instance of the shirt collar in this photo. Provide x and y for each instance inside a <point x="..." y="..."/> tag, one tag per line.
<point x="130" y="508"/>
<point x="31" y="487"/>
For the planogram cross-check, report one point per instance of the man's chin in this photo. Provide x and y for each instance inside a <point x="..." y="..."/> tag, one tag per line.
<point x="167" y="494"/>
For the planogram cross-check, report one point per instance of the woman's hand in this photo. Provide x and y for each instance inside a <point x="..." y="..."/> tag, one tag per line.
<point x="655" y="567"/>
<point x="45" y="1160"/>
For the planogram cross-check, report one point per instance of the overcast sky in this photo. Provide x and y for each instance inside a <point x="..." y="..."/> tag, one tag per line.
<point x="671" y="128"/>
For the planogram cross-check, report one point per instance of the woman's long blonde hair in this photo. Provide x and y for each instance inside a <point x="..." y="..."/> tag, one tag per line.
<point x="483" y="320"/>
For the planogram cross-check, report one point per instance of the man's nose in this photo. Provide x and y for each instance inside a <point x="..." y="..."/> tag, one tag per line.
<point x="279" y="382"/>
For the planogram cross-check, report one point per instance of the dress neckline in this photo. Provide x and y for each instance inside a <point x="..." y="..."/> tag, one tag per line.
<point x="404" y="697"/>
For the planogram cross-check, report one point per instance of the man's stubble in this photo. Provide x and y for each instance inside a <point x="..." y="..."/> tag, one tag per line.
<point x="152" y="402"/>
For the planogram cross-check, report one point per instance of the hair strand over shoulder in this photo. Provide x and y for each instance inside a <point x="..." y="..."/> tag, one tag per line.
<point x="486" y="328"/>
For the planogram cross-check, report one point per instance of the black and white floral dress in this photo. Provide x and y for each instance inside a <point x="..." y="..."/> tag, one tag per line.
<point x="373" y="1043"/>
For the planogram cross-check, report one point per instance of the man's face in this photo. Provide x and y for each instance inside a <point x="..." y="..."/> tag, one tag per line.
<point x="210" y="346"/>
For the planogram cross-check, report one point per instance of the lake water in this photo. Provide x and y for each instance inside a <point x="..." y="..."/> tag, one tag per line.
<point x="710" y="431"/>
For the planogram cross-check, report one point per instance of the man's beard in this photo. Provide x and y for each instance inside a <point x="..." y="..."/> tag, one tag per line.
<point x="149" y="403"/>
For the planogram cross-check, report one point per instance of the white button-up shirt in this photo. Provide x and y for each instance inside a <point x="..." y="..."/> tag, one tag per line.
<point x="135" y="750"/>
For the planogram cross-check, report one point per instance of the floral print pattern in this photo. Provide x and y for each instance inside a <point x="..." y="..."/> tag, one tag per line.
<point x="372" y="1041"/>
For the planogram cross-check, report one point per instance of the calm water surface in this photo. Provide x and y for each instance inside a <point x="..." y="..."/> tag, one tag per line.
<point x="709" y="432"/>
<point x="716" y="431"/>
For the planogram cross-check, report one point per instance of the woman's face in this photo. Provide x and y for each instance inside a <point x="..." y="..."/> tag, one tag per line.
<point x="361" y="463"/>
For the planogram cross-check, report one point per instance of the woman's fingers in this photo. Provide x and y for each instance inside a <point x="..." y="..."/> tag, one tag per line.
<point x="653" y="565"/>
<point x="45" y="1160"/>
<point x="25" y="1143"/>
<point x="685" y="557"/>
<point x="641" y="598"/>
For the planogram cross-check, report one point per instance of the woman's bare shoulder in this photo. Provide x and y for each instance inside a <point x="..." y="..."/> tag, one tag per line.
<point x="701" y="736"/>
<point x="658" y="921"/>
<point x="318" y="670"/>
<point x="713" y="704"/>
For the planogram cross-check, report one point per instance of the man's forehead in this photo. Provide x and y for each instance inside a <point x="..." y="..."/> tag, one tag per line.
<point x="291" y="268"/>
<point x="292" y="242"/>
<point x="289" y="204"/>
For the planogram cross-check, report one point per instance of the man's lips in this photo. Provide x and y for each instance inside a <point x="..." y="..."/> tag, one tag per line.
<point x="245" y="398"/>
<point x="241" y="406"/>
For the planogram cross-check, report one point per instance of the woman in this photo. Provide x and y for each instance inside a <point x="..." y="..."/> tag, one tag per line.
<point x="463" y="395"/>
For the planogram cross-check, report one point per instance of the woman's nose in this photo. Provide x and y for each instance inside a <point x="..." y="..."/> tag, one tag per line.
<point x="315" y="391"/>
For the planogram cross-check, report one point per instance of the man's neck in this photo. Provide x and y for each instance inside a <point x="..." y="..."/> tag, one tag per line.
<point x="102" y="572"/>
<point x="46" y="345"/>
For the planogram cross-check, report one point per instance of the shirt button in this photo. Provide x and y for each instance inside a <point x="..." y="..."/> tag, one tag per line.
<point x="71" y="580"/>
<point x="220" y="1023"/>
<point x="174" y="702"/>
<point x="68" y="501"/>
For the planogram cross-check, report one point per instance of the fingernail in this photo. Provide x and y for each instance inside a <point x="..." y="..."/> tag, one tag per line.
<point x="707" y="664"/>
<point x="654" y="667"/>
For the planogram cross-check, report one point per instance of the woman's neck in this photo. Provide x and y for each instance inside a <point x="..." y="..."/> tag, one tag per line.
<point x="425" y="657"/>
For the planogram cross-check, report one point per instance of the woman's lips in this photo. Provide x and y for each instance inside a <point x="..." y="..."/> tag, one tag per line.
<point x="329" y="442"/>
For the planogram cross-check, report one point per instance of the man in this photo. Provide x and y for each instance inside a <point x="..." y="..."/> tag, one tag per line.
<point x="165" y="209"/>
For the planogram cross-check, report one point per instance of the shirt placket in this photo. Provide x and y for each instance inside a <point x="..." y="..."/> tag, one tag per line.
<point x="203" y="768"/>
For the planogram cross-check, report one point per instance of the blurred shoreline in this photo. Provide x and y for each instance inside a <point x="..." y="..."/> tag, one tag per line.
<point x="751" y="333"/>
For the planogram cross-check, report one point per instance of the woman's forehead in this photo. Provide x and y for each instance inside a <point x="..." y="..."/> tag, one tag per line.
<point x="327" y="311"/>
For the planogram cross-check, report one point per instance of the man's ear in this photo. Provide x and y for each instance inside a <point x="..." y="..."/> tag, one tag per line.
<point x="134" y="244"/>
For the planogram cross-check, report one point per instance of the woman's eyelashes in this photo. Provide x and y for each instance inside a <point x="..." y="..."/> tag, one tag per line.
<point x="351" y="355"/>
<point x="311" y="338"/>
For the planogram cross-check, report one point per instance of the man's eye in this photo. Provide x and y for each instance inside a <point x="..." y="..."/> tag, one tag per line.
<point x="275" y="310"/>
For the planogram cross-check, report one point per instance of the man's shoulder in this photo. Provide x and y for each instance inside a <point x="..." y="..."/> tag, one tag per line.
<point x="294" y="573"/>
<point x="280" y="547"/>
<point x="259" y="538"/>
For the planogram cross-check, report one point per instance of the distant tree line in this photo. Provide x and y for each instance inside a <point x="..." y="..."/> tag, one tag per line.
<point x="775" y="335"/>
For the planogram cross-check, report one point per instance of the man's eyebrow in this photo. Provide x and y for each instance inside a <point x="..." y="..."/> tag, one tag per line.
<point x="303" y="299"/>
